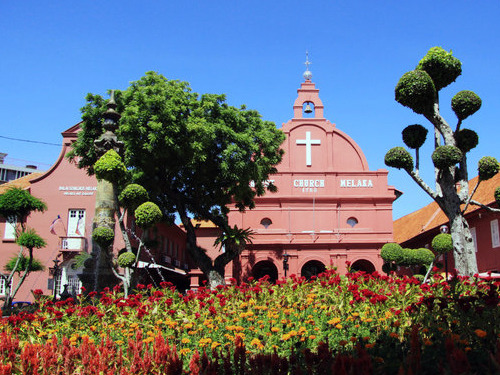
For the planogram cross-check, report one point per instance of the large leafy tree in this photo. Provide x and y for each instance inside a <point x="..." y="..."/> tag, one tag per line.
<point x="16" y="205"/>
<point x="419" y="90"/>
<point x="195" y="155"/>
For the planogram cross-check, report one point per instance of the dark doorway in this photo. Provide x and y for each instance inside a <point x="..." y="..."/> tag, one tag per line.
<point x="264" y="268"/>
<point x="363" y="265"/>
<point x="312" y="268"/>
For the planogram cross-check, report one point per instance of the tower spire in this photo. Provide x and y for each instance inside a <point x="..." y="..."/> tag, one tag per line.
<point x="307" y="74"/>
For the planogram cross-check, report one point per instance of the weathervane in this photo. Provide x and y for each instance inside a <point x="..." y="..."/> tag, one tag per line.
<point x="307" y="74"/>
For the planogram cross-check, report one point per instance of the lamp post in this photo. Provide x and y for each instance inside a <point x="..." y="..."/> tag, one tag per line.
<point x="285" y="262"/>
<point x="444" y="229"/>
<point x="56" y="274"/>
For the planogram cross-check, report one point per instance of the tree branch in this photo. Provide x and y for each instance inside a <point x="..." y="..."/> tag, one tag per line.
<point x="470" y="196"/>
<point x="423" y="185"/>
<point x="488" y="208"/>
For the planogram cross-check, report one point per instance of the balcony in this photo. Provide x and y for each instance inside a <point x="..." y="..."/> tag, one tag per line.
<point x="73" y="244"/>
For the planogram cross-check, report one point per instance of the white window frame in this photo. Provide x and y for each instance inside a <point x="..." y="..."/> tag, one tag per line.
<point x="495" y="236"/>
<point x="474" y="237"/>
<point x="10" y="228"/>
<point x="2" y="285"/>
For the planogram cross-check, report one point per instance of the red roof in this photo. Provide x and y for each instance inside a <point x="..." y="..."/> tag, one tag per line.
<point x="431" y="216"/>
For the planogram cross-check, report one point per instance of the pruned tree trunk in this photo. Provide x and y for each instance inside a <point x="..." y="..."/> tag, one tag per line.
<point x="97" y="273"/>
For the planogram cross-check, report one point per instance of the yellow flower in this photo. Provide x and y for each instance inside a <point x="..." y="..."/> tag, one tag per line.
<point x="188" y="325"/>
<point x="184" y="351"/>
<point x="149" y="339"/>
<point x="334" y="321"/>
<point x="275" y="329"/>
<point x="134" y="325"/>
<point x="214" y="344"/>
<point x="480" y="333"/>
<point x="256" y="342"/>
<point x="338" y="326"/>
<point x="185" y="340"/>
<point x="93" y="328"/>
<point x="312" y="337"/>
<point x="119" y="342"/>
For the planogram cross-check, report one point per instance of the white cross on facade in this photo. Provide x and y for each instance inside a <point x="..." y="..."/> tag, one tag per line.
<point x="308" y="142"/>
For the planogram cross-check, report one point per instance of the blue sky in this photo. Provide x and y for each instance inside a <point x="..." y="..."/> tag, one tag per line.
<point x="54" y="52"/>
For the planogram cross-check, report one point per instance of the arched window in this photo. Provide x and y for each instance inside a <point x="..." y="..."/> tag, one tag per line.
<point x="266" y="222"/>
<point x="352" y="221"/>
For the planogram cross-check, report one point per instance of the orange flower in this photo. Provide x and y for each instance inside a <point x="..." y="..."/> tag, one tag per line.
<point x="480" y="333"/>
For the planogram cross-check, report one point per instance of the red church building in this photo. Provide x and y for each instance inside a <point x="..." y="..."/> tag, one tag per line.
<point x="330" y="209"/>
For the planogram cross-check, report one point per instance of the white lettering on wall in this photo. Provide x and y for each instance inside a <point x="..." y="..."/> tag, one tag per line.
<point x="356" y="183"/>
<point x="78" y="190"/>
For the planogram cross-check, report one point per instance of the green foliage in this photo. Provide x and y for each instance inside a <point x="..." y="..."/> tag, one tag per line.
<point x="465" y="103"/>
<point x="497" y="195"/>
<point x="399" y="157"/>
<point x="487" y="167"/>
<point x="36" y="265"/>
<point x="126" y="259"/>
<point x="237" y="236"/>
<point x="466" y="140"/>
<point x="30" y="240"/>
<point x="147" y="215"/>
<point x="132" y="196"/>
<point x="391" y="252"/>
<point x="19" y="203"/>
<point x="103" y="236"/>
<point x="416" y="90"/>
<point x="110" y="167"/>
<point x="441" y="66"/>
<point x="442" y="243"/>
<point x="414" y="135"/>
<point x="423" y="256"/>
<point x="446" y="156"/>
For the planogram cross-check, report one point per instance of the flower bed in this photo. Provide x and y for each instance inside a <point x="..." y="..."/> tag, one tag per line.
<point x="357" y="323"/>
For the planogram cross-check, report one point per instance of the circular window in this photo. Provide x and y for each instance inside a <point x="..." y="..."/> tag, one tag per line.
<point x="352" y="221"/>
<point x="266" y="222"/>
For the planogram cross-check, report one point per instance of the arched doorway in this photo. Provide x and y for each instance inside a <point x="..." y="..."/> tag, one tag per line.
<point x="363" y="265"/>
<point x="312" y="268"/>
<point x="264" y="268"/>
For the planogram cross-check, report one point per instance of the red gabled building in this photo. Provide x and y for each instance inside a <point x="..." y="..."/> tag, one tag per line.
<point x="66" y="226"/>
<point x="417" y="229"/>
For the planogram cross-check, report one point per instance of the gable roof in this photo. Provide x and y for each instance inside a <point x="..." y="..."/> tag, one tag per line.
<point x="22" y="182"/>
<point x="431" y="216"/>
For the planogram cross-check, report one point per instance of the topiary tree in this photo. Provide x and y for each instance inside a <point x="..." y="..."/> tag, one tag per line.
<point x="394" y="255"/>
<point x="16" y="205"/>
<point x="131" y="199"/>
<point x="419" y="90"/>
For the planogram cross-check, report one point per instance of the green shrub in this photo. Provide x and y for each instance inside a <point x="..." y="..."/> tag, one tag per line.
<point x="442" y="243"/>
<point x="126" y="259"/>
<point x="36" y="265"/>
<point x="391" y="252"/>
<point x="416" y="90"/>
<point x="147" y="215"/>
<point x="466" y="140"/>
<point x="103" y="236"/>
<point x="110" y="167"/>
<point x="487" y="167"/>
<point x="423" y="256"/>
<point x="497" y="196"/>
<point x="465" y="103"/>
<point x="446" y="156"/>
<point x="441" y="66"/>
<point x="132" y="196"/>
<point x="399" y="157"/>
<point x="31" y="240"/>
<point x="414" y="135"/>
<point x="19" y="203"/>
